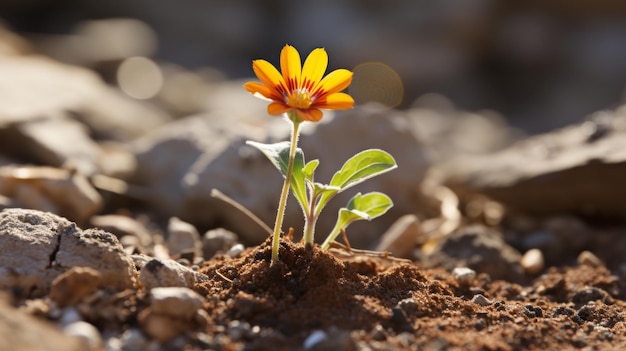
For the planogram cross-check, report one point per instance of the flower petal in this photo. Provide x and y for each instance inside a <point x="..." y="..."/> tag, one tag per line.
<point x="336" y="101"/>
<point x="311" y="114"/>
<point x="269" y="75"/>
<point x="291" y="66"/>
<point x="278" y="108"/>
<point x="314" y="68"/>
<point x="334" y="82"/>
<point x="262" y="89"/>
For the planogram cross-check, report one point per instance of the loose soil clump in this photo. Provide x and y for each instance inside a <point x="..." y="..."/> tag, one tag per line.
<point x="313" y="299"/>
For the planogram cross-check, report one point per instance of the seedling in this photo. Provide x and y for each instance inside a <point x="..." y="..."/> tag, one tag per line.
<point x="299" y="93"/>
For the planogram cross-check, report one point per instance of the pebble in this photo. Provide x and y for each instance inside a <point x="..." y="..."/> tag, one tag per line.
<point x="532" y="261"/>
<point x="161" y="327"/>
<point x="463" y="275"/>
<point x="481" y="300"/>
<point x="400" y="239"/>
<point x="163" y="273"/>
<point x="588" y="258"/>
<point x="236" y="250"/>
<point x="87" y="333"/>
<point x="237" y="330"/>
<point x="217" y="240"/>
<point x="314" y="338"/>
<point x="133" y="340"/>
<point x="69" y="315"/>
<point x="182" y="237"/>
<point x="177" y="302"/>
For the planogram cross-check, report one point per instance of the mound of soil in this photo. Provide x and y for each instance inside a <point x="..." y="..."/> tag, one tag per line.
<point x="320" y="300"/>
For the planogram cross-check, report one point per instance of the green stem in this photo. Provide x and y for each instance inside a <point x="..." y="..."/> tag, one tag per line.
<point x="285" y="191"/>
<point x="331" y="237"/>
<point x="309" y="223"/>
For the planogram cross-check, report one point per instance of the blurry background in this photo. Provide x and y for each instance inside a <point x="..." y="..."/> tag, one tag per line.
<point x="541" y="64"/>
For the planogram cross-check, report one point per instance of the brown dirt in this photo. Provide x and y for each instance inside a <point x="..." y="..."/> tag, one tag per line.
<point x="377" y="303"/>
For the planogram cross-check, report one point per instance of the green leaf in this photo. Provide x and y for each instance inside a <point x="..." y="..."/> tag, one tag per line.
<point x="309" y="169"/>
<point x="373" y="204"/>
<point x="278" y="154"/>
<point x="360" y="207"/>
<point x="360" y="167"/>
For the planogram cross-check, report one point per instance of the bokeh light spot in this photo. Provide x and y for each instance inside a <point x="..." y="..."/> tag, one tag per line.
<point x="139" y="77"/>
<point x="377" y="86"/>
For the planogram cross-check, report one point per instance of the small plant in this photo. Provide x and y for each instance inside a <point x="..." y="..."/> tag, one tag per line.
<point x="299" y="93"/>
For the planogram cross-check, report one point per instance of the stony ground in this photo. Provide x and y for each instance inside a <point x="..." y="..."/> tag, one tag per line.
<point x="113" y="238"/>
<point x="83" y="290"/>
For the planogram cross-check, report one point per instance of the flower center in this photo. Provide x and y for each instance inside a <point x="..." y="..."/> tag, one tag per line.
<point x="299" y="98"/>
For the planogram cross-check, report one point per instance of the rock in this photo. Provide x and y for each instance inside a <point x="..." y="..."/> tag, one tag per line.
<point x="88" y="334"/>
<point x="217" y="240"/>
<point x="479" y="248"/>
<point x="122" y="226"/>
<point x="401" y="238"/>
<point x="235" y="250"/>
<point x="314" y="338"/>
<point x="532" y="261"/>
<point x="29" y="239"/>
<point x="182" y="237"/>
<point x="463" y="275"/>
<point x="20" y="331"/>
<point x="99" y="250"/>
<point x="178" y="302"/>
<point x="57" y="142"/>
<point x="180" y="164"/>
<point x="168" y="273"/>
<point x="39" y="88"/>
<point x="589" y="259"/>
<point x="60" y="191"/>
<point x="134" y="340"/>
<point x="549" y="174"/>
<point x="70" y="287"/>
<point x="38" y="247"/>
<point x="161" y="327"/>
<point x="481" y="300"/>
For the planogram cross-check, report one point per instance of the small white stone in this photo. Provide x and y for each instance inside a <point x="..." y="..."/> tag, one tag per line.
<point x="532" y="262"/>
<point x="182" y="237"/>
<point x="69" y="315"/>
<point x="463" y="275"/>
<point x="315" y="338"/>
<point x="481" y="300"/>
<point x="587" y="258"/>
<point x="87" y="333"/>
<point x="133" y="340"/>
<point x="236" y="250"/>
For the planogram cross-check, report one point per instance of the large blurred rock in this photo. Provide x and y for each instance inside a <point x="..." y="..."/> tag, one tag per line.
<point x="182" y="162"/>
<point x="58" y="142"/>
<point x="36" y="87"/>
<point x="21" y="331"/>
<point x="63" y="192"/>
<point x="579" y="169"/>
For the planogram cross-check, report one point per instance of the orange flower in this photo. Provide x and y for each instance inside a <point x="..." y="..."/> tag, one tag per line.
<point x="301" y="88"/>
